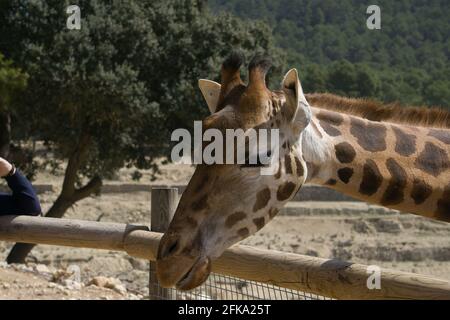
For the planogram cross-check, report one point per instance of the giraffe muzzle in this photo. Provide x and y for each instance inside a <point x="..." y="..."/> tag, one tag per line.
<point x="184" y="272"/>
<point x="196" y="275"/>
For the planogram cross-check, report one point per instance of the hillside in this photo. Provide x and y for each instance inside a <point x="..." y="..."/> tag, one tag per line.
<point x="407" y="60"/>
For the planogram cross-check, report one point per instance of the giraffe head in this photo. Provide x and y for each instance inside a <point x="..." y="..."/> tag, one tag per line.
<point x="225" y="203"/>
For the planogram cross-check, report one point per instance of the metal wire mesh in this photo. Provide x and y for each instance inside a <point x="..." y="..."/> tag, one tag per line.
<point x="220" y="287"/>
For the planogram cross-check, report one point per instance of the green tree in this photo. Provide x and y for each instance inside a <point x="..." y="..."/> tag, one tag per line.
<point x="108" y="95"/>
<point x="342" y="78"/>
<point x="414" y="37"/>
<point x="438" y="93"/>
<point x="12" y="82"/>
<point x="367" y="83"/>
<point x="314" y="78"/>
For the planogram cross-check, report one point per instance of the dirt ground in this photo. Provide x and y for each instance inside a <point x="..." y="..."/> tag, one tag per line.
<point x="18" y="283"/>
<point x="348" y="231"/>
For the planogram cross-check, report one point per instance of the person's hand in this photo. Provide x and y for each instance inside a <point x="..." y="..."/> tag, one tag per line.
<point x="5" y="167"/>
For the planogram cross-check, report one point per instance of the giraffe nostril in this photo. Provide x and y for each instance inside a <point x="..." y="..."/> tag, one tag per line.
<point x="173" y="248"/>
<point x="169" y="248"/>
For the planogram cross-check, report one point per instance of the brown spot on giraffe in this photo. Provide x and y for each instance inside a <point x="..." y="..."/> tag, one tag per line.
<point x="420" y="191"/>
<point x="278" y="174"/>
<point x="285" y="191"/>
<point x="433" y="160"/>
<point x="329" y="121"/>
<point x="262" y="198"/>
<point x="333" y="118"/>
<point x="345" y="174"/>
<point x="330" y="130"/>
<point x="394" y="193"/>
<point x="299" y="167"/>
<point x="288" y="163"/>
<point x="331" y="182"/>
<point x="202" y="183"/>
<point x="186" y="250"/>
<point x="441" y="135"/>
<point x="200" y="204"/>
<point x="443" y="205"/>
<point x="345" y="153"/>
<point x="243" y="233"/>
<point x="273" y="212"/>
<point x="405" y="144"/>
<point x="234" y="218"/>
<point x="259" y="223"/>
<point x="191" y="222"/>
<point x="371" y="136"/>
<point x="371" y="179"/>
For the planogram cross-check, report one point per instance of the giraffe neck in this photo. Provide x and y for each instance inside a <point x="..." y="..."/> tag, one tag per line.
<point x="397" y="166"/>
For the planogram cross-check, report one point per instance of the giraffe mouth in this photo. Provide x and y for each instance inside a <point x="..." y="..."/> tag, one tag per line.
<point x="196" y="275"/>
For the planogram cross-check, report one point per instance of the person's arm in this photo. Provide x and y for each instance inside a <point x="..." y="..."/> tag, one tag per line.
<point x="23" y="200"/>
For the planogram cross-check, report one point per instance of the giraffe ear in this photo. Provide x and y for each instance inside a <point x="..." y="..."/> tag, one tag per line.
<point x="211" y="92"/>
<point x="299" y="107"/>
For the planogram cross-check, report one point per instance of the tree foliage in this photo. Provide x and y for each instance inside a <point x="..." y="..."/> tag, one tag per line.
<point x="407" y="58"/>
<point x="109" y="95"/>
<point x="12" y="82"/>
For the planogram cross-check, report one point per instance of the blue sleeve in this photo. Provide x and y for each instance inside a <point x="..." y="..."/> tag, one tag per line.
<point x="23" y="200"/>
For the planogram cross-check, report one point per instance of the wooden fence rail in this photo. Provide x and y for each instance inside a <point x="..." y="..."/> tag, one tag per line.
<point x="329" y="278"/>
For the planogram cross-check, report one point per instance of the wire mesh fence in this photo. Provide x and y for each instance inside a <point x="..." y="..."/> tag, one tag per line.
<point x="220" y="287"/>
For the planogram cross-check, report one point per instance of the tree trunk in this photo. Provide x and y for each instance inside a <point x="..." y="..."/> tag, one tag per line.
<point x="68" y="196"/>
<point x="5" y="134"/>
<point x="21" y="250"/>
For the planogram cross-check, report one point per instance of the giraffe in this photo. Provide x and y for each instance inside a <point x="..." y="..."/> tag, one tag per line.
<point x="402" y="164"/>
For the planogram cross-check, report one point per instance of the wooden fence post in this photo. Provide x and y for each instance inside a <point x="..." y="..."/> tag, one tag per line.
<point x="164" y="201"/>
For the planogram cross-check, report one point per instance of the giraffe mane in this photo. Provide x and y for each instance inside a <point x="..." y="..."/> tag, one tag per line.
<point x="433" y="117"/>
